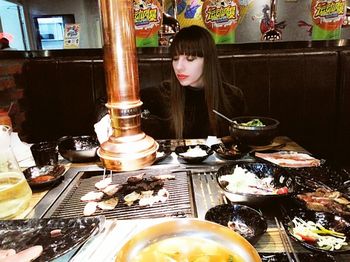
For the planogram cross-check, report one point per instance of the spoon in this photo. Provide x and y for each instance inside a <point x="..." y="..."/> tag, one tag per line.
<point x="225" y="117"/>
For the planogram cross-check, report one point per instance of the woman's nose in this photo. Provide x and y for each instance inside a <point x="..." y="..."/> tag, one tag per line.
<point x="179" y="64"/>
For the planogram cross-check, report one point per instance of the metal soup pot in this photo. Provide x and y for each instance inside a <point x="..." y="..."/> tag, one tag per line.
<point x="188" y="228"/>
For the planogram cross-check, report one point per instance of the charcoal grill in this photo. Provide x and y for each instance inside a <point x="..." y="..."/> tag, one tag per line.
<point x="192" y="193"/>
<point x="179" y="203"/>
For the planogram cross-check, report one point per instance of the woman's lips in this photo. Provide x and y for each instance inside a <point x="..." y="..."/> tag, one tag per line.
<point x="181" y="76"/>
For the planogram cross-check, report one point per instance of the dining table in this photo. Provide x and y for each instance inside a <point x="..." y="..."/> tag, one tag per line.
<point x="104" y="246"/>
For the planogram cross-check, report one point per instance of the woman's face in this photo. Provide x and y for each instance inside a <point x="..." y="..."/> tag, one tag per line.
<point x="189" y="70"/>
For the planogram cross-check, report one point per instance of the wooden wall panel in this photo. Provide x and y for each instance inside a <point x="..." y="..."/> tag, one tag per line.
<point x="343" y="113"/>
<point x="40" y="101"/>
<point x="75" y="93"/>
<point x="251" y="76"/>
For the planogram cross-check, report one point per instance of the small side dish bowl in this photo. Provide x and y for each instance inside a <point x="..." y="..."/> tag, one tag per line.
<point x="230" y="151"/>
<point x="44" y="176"/>
<point x="244" y="131"/>
<point x="329" y="223"/>
<point x="193" y="154"/>
<point x="269" y="184"/>
<point x="78" y="149"/>
<point x="244" y="220"/>
<point x="162" y="153"/>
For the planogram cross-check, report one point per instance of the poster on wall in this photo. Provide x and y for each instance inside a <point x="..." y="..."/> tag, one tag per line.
<point x="189" y="12"/>
<point x="148" y="19"/>
<point x="221" y="19"/>
<point x="71" y="36"/>
<point x="327" y="17"/>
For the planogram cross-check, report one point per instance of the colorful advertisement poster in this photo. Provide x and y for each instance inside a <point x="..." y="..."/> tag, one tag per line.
<point x="71" y="36"/>
<point x="221" y="19"/>
<point x="327" y="17"/>
<point x="189" y="12"/>
<point x="148" y="19"/>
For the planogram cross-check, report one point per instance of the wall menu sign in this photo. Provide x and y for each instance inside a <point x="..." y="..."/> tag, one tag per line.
<point x="148" y="19"/>
<point x="327" y="17"/>
<point x="71" y="36"/>
<point x="221" y="19"/>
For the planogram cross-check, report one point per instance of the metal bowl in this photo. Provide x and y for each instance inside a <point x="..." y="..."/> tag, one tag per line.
<point x="78" y="149"/>
<point x="191" y="227"/>
<point x="281" y="178"/>
<point x="254" y="135"/>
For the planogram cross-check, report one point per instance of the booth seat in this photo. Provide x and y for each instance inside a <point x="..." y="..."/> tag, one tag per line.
<point x="306" y="89"/>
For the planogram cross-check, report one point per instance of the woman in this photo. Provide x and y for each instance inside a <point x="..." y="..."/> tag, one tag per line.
<point x="184" y="105"/>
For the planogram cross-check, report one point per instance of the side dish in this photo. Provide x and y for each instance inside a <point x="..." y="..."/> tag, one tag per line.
<point x="253" y="123"/>
<point x="326" y="201"/>
<point x="290" y="159"/>
<point x="194" y="152"/>
<point x="243" y="181"/>
<point x="315" y="234"/>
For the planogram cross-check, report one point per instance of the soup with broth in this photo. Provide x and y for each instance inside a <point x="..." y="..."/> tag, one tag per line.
<point x="186" y="249"/>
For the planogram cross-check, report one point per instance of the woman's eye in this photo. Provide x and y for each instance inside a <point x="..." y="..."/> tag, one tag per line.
<point x="191" y="58"/>
<point x="175" y="58"/>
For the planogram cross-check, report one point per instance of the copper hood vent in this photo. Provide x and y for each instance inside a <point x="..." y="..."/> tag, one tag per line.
<point x="128" y="148"/>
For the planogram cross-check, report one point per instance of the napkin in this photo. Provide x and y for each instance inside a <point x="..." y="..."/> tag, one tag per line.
<point x="103" y="129"/>
<point x="212" y="140"/>
<point x="22" y="151"/>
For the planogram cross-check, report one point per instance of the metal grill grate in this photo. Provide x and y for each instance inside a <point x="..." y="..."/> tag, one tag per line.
<point x="179" y="204"/>
<point x="207" y="192"/>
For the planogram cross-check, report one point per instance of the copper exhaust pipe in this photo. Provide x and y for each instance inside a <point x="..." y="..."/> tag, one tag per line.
<point x="128" y="148"/>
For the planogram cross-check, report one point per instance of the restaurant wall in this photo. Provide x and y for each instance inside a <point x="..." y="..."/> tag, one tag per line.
<point x="289" y="13"/>
<point x="293" y="18"/>
<point x="11" y="90"/>
<point x="86" y="13"/>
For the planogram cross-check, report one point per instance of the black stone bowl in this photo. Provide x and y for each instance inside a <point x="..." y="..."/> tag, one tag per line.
<point x="78" y="149"/>
<point x="44" y="176"/>
<point x="254" y="135"/>
<point x="180" y="150"/>
<point x="327" y="174"/>
<point x="281" y="179"/>
<point x="329" y="221"/>
<point x="244" y="220"/>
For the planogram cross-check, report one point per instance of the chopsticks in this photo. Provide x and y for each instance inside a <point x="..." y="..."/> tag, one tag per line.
<point x="287" y="244"/>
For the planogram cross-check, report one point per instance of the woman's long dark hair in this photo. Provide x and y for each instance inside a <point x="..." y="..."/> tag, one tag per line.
<point x="196" y="41"/>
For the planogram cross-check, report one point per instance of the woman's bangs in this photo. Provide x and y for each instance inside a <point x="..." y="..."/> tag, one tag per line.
<point x="189" y="48"/>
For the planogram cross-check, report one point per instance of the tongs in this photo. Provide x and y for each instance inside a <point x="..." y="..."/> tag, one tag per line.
<point x="272" y="34"/>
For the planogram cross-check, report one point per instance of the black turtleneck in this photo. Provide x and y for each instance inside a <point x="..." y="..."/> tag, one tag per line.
<point x="196" y="121"/>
